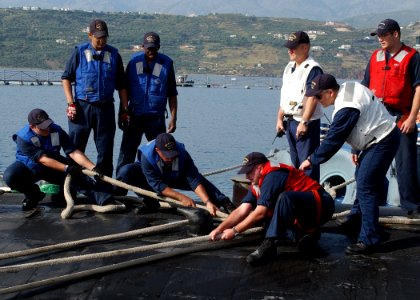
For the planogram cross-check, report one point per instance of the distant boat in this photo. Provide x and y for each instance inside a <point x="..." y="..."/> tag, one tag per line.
<point x="182" y="80"/>
<point x="247" y="87"/>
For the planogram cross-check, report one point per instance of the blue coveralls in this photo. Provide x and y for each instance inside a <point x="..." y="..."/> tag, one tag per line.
<point x="182" y="175"/>
<point x="148" y="92"/>
<point x="23" y="174"/>
<point x="95" y="82"/>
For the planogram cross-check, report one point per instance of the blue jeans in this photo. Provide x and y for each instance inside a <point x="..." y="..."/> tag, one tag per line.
<point x="132" y="174"/>
<point x="18" y="177"/>
<point x="101" y="118"/>
<point x="370" y="175"/>
<point x="301" y="148"/>
<point x="151" y="126"/>
<point x="406" y="165"/>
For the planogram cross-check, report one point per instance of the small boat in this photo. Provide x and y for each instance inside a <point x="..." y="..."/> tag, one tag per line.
<point x="182" y="80"/>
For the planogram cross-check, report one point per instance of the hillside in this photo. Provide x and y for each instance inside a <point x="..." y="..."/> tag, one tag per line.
<point x="216" y="43"/>
<point x="358" y="13"/>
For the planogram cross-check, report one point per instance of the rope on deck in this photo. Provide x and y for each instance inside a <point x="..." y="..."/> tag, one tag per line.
<point x="68" y="211"/>
<point x="246" y="236"/>
<point x="87" y="241"/>
<point x="71" y="207"/>
<point x="384" y="220"/>
<point x="111" y="253"/>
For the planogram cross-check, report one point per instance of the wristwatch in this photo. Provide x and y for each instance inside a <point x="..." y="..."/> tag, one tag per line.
<point x="304" y="122"/>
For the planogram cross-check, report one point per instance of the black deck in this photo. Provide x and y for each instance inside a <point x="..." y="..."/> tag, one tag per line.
<point x="393" y="273"/>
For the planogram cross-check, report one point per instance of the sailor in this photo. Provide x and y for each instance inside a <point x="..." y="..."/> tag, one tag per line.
<point x="97" y="70"/>
<point x="393" y="74"/>
<point x="303" y="113"/>
<point x="151" y="86"/>
<point x="360" y="119"/>
<point x="165" y="165"/>
<point x="38" y="158"/>
<point x="293" y="205"/>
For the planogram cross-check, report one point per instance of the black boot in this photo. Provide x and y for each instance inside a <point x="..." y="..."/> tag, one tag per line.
<point x="28" y="204"/>
<point x="350" y="224"/>
<point x="264" y="253"/>
<point x="361" y="248"/>
<point x="308" y="241"/>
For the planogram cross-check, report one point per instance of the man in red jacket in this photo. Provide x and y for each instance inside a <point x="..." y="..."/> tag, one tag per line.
<point x="292" y="204"/>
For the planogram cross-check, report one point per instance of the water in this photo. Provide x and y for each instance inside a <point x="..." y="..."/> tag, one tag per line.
<point x="219" y="126"/>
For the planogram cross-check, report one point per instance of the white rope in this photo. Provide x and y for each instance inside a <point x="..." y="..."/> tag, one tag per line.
<point x="71" y="208"/>
<point x="145" y="192"/>
<point x="87" y="241"/>
<point x="112" y="253"/>
<point x="210" y="245"/>
<point x="230" y="168"/>
<point x="383" y="220"/>
<point x="332" y="190"/>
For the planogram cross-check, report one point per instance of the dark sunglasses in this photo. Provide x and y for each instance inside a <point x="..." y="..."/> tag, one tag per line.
<point x="318" y="97"/>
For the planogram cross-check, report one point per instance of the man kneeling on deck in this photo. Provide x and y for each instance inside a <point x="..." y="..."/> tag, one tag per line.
<point x="164" y="165"/>
<point x="38" y="158"/>
<point x="294" y="205"/>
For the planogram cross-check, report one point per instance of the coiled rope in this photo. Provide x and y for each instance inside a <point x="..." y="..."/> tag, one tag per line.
<point x="246" y="236"/>
<point x="70" y="208"/>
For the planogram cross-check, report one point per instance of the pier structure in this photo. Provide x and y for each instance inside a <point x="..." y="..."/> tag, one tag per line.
<point x="29" y="77"/>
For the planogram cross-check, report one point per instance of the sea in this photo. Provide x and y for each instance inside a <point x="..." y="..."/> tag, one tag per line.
<point x="218" y="124"/>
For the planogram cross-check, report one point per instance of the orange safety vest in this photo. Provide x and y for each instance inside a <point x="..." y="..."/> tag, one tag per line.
<point x="390" y="80"/>
<point x="297" y="181"/>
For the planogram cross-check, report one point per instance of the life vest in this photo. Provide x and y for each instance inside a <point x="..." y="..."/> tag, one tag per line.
<point x="50" y="144"/>
<point x="390" y="80"/>
<point x="292" y="94"/>
<point x="296" y="181"/>
<point x="96" y="73"/>
<point x="178" y="164"/>
<point x="374" y="124"/>
<point x="147" y="88"/>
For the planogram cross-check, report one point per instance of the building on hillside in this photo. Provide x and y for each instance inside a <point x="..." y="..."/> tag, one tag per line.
<point x="317" y="48"/>
<point x="345" y="47"/>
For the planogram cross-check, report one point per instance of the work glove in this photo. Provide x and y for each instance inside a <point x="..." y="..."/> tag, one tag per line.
<point x="124" y="120"/>
<point x="99" y="173"/>
<point x="71" y="111"/>
<point x="74" y="170"/>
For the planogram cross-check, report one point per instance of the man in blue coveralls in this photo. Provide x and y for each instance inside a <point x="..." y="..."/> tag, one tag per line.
<point x="165" y="165"/>
<point x="151" y="85"/>
<point x="362" y="120"/>
<point x="97" y="71"/>
<point x="293" y="204"/>
<point x="38" y="157"/>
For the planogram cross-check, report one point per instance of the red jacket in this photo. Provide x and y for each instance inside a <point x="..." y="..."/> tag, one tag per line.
<point x="297" y="180"/>
<point x="390" y="80"/>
